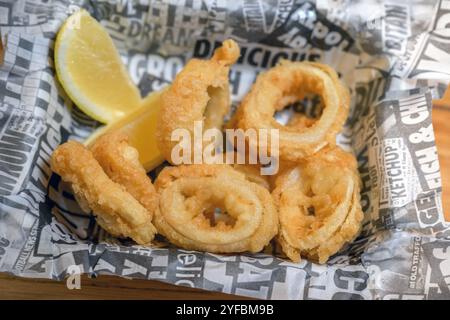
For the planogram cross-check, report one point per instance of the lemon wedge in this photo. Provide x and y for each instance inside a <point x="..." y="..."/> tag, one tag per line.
<point x="91" y="71"/>
<point x="140" y="126"/>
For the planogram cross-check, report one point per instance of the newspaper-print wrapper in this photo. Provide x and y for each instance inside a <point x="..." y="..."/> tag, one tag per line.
<point x="394" y="57"/>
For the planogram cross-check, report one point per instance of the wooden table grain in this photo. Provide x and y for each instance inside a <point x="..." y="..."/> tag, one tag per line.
<point x="441" y="124"/>
<point x="103" y="287"/>
<point x="110" y="287"/>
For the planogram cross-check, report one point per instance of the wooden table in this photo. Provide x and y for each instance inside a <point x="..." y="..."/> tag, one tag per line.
<point x="441" y="124"/>
<point x="109" y="287"/>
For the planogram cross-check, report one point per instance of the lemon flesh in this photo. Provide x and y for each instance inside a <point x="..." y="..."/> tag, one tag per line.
<point x="140" y="126"/>
<point x="91" y="71"/>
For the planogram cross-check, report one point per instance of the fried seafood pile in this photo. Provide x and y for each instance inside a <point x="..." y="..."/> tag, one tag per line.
<point x="311" y="207"/>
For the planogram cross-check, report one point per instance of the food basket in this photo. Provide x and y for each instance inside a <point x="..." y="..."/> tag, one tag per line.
<point x="392" y="55"/>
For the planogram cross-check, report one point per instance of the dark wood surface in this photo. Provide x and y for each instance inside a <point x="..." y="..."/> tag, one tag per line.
<point x="103" y="287"/>
<point x="109" y="287"/>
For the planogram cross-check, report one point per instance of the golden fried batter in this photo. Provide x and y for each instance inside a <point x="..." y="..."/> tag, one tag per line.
<point x="200" y="92"/>
<point x="121" y="163"/>
<point x="188" y="195"/>
<point x="319" y="207"/>
<point x="115" y="209"/>
<point x="286" y="83"/>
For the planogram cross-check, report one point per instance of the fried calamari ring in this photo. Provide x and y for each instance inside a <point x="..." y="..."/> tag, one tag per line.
<point x="284" y="84"/>
<point x="200" y="92"/>
<point x="115" y="209"/>
<point x="346" y="233"/>
<point x="252" y="172"/>
<point x="121" y="163"/>
<point x="319" y="208"/>
<point x="188" y="195"/>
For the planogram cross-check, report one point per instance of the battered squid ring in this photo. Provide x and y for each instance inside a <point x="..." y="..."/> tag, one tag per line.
<point x="319" y="207"/>
<point x="115" y="209"/>
<point x="284" y="84"/>
<point x="252" y="172"/>
<point x="187" y="192"/>
<point x="121" y="163"/>
<point x="200" y="92"/>
<point x="347" y="232"/>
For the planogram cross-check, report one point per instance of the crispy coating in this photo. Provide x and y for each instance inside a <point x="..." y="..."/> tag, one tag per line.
<point x="300" y="122"/>
<point x="188" y="195"/>
<point x="286" y="83"/>
<point x="120" y="161"/>
<point x="319" y="206"/>
<point x="252" y="172"/>
<point x="115" y="209"/>
<point x="200" y="92"/>
<point x="347" y="232"/>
